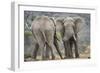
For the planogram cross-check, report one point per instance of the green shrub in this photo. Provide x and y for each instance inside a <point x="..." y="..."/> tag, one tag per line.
<point x="58" y="35"/>
<point x="27" y="33"/>
<point x="27" y="56"/>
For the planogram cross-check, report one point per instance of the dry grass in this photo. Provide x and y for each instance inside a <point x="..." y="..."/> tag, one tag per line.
<point x="86" y="53"/>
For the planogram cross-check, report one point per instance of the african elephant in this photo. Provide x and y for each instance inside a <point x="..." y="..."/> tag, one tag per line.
<point x="43" y="29"/>
<point x="68" y="28"/>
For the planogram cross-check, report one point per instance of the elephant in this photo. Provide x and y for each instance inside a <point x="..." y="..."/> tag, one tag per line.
<point x="68" y="28"/>
<point x="43" y="30"/>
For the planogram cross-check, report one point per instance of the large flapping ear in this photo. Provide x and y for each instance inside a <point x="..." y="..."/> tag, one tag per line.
<point x="60" y="20"/>
<point x="53" y="20"/>
<point x="60" y="23"/>
<point x="79" y="23"/>
<point x="78" y="20"/>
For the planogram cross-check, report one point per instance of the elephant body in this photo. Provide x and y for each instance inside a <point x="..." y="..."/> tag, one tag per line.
<point x="43" y="30"/>
<point x="70" y="26"/>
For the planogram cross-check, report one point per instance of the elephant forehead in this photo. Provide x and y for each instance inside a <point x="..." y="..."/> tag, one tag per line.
<point x="68" y="25"/>
<point x="69" y="19"/>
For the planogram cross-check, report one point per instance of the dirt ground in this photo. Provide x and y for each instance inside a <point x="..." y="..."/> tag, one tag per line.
<point x="83" y="55"/>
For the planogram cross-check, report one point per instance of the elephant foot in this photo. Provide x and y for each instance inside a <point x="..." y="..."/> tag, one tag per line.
<point x="65" y="58"/>
<point x="61" y="57"/>
<point x="34" y="57"/>
<point x="46" y="58"/>
<point x="77" y="56"/>
<point x="36" y="60"/>
<point x="53" y="57"/>
<point x="68" y="57"/>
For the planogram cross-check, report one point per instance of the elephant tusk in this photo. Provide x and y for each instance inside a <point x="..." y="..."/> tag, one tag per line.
<point x="74" y="37"/>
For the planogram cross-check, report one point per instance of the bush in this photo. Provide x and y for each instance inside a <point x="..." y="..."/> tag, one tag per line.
<point x="27" y="56"/>
<point x="27" y="33"/>
<point x="58" y="34"/>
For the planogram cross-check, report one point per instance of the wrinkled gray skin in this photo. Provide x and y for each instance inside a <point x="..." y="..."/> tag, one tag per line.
<point x="43" y="30"/>
<point x="69" y="28"/>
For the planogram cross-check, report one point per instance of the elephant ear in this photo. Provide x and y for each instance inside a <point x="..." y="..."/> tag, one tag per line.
<point x="60" y="24"/>
<point x="53" y="20"/>
<point x="60" y="20"/>
<point x="79" y="23"/>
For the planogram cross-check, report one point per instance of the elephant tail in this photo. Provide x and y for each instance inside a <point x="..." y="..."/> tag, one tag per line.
<point x="55" y="35"/>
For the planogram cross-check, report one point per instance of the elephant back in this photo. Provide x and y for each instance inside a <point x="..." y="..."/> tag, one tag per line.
<point x="42" y="23"/>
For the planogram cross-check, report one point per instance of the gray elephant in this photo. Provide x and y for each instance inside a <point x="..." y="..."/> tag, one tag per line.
<point x="43" y="29"/>
<point x="68" y="28"/>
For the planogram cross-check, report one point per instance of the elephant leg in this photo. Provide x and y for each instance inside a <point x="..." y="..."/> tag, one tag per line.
<point x="71" y="46"/>
<point x="41" y="50"/>
<point x="42" y="47"/>
<point x="76" y="49"/>
<point x="51" y="47"/>
<point x="71" y="52"/>
<point x="53" y="56"/>
<point x="35" y="51"/>
<point x="57" y="48"/>
<point x="66" y="48"/>
<point x="47" y="52"/>
<point x="50" y="41"/>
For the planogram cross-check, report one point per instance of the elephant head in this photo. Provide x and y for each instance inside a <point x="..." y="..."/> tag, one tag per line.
<point x="68" y="28"/>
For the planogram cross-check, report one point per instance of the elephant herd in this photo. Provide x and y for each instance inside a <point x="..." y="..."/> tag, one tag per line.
<point x="45" y="29"/>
